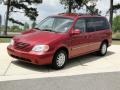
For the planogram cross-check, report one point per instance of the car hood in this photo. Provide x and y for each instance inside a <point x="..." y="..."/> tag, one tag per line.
<point x="38" y="37"/>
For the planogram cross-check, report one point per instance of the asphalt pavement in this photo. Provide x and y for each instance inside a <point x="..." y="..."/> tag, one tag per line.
<point x="99" y="81"/>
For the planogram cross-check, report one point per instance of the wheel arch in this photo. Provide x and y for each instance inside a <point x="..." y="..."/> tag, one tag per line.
<point x="106" y="41"/>
<point x="62" y="48"/>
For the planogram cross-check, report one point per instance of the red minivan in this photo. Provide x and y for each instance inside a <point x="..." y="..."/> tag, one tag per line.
<point x="58" y="38"/>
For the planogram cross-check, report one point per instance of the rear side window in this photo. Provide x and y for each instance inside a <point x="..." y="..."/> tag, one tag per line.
<point x="101" y="24"/>
<point x="90" y="27"/>
<point x="96" y="24"/>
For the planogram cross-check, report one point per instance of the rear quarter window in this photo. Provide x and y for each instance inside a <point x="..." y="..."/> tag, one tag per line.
<point x="96" y="24"/>
<point x="101" y="23"/>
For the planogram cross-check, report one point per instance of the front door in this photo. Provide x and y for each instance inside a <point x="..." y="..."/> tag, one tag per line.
<point x="78" y="42"/>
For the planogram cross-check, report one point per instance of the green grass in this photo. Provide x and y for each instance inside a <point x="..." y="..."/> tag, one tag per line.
<point x="5" y="40"/>
<point x="116" y="35"/>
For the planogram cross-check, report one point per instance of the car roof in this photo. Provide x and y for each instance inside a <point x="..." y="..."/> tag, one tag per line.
<point x="75" y="15"/>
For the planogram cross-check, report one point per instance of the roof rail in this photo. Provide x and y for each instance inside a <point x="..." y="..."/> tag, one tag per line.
<point x="68" y="13"/>
<point x="61" y="13"/>
<point x="88" y="14"/>
<point x="79" y="14"/>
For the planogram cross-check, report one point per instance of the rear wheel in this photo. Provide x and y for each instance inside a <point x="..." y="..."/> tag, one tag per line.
<point x="103" y="49"/>
<point x="59" y="59"/>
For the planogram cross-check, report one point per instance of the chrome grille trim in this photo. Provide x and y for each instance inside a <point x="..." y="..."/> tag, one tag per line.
<point x="22" y="46"/>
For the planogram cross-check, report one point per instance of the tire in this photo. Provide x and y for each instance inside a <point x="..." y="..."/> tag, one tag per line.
<point x="59" y="60"/>
<point x="103" y="49"/>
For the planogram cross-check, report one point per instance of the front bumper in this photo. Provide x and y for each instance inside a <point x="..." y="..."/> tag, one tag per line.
<point x="31" y="57"/>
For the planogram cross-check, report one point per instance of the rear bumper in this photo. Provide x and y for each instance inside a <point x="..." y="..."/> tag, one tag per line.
<point x="31" y="57"/>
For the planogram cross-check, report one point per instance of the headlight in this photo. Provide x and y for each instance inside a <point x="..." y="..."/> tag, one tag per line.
<point x="40" y="48"/>
<point x="12" y="42"/>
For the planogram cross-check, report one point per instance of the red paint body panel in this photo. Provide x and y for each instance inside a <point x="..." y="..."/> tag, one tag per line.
<point x="35" y="58"/>
<point x="76" y="45"/>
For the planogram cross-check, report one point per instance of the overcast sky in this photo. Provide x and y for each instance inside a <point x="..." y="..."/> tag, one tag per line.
<point x="52" y="7"/>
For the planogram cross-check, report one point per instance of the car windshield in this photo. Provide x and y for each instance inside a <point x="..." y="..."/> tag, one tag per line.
<point x="55" y="24"/>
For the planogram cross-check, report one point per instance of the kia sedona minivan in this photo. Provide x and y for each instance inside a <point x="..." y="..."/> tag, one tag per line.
<point x="58" y="38"/>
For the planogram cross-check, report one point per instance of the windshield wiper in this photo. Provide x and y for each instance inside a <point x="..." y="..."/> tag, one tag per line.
<point x="37" y="28"/>
<point x="48" y="30"/>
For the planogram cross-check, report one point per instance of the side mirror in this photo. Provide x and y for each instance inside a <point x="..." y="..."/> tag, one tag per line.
<point x="76" y="32"/>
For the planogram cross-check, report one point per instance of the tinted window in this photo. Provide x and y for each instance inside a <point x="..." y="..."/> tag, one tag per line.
<point x="96" y="24"/>
<point x="101" y="24"/>
<point x="90" y="25"/>
<point x="80" y="24"/>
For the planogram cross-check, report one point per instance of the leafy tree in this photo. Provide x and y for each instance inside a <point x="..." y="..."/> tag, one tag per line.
<point x="14" y="6"/>
<point x="90" y="8"/>
<point x="78" y="4"/>
<point x="116" y="24"/>
<point x="69" y="4"/>
<point x="116" y="7"/>
<point x="15" y="28"/>
<point x="93" y="10"/>
<point x="34" y="24"/>
<point x="26" y="26"/>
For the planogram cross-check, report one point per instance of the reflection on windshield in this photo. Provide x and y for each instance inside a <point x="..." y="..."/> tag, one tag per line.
<point x="55" y="24"/>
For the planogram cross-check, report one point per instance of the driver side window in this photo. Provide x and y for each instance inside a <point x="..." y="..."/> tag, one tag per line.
<point x="80" y="24"/>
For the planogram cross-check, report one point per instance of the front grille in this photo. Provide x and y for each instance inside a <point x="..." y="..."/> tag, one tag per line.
<point x="22" y="46"/>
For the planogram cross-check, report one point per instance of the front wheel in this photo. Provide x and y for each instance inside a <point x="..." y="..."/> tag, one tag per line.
<point x="103" y="49"/>
<point x="59" y="60"/>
